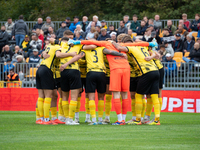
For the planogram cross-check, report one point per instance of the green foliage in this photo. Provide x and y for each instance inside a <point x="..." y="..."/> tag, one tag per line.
<point x="107" y="9"/>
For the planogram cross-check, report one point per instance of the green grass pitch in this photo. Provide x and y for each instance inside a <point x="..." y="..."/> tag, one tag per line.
<point x="178" y="131"/>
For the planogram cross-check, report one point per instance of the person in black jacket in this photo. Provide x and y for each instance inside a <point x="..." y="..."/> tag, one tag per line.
<point x="177" y="45"/>
<point x="38" y="25"/>
<point x="194" y="54"/>
<point x="194" y="24"/>
<point x="141" y="30"/>
<point x="188" y="44"/>
<point x="61" y="30"/>
<point x="3" y="37"/>
<point x="6" y="53"/>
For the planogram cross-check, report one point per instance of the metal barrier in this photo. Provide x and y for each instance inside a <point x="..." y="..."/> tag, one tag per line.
<point x="115" y="23"/>
<point x="186" y="76"/>
<point x="10" y="84"/>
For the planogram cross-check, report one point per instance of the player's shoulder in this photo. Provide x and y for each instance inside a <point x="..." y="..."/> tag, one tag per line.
<point x="99" y="48"/>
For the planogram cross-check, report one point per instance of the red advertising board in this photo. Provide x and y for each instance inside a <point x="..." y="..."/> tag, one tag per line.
<point x="24" y="99"/>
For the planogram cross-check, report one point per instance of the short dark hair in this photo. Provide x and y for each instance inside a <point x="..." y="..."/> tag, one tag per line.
<point x="65" y="39"/>
<point x="98" y="27"/>
<point x="9" y="18"/>
<point x="162" y="45"/>
<point x="143" y="21"/>
<point x="68" y="32"/>
<point x="135" y="15"/>
<point x="12" y="70"/>
<point x="21" y="17"/>
<point x="122" y="21"/>
<point x="111" y="25"/>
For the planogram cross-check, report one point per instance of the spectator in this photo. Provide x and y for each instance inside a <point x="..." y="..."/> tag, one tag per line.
<point x="194" y="54"/>
<point x="96" y="35"/>
<point x="103" y="24"/>
<point x="93" y="23"/>
<point x="74" y="24"/>
<point x="151" y="26"/>
<point x="147" y="35"/>
<point x="98" y="29"/>
<point x="168" y="36"/>
<point x="78" y="29"/>
<point x="111" y="29"/>
<point x="84" y="23"/>
<point x="198" y="40"/>
<point x="181" y="29"/>
<point x="154" y="35"/>
<point x="127" y="22"/>
<point x="195" y="24"/>
<point x="188" y="44"/>
<point x="78" y="36"/>
<point x="50" y="32"/>
<point x="47" y="24"/>
<point x="8" y="66"/>
<point x="163" y="52"/>
<point x="171" y="27"/>
<point x="6" y="53"/>
<point x="61" y="30"/>
<point x="177" y="45"/>
<point x="34" y="58"/>
<point x="20" y="29"/>
<point x="135" y="24"/>
<point x="169" y="48"/>
<point x="146" y="21"/>
<point x="186" y="22"/>
<point x="68" y="22"/>
<point x="130" y="32"/>
<point x="114" y="36"/>
<point x="182" y="22"/>
<point x="17" y="52"/>
<point x="36" y="43"/>
<point x="104" y="35"/>
<point x="90" y="35"/>
<point x="122" y="28"/>
<point x="157" y="22"/>
<point x="38" y="25"/>
<point x="141" y="30"/>
<point x="25" y="44"/>
<point x="9" y="26"/>
<point x="3" y="37"/>
<point x="20" y="67"/>
<point x="46" y="43"/>
<point x="12" y="76"/>
<point x="40" y="35"/>
<point x="170" y="67"/>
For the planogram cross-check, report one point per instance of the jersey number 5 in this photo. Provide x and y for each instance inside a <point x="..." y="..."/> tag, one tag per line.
<point x="145" y="53"/>
<point x="95" y="55"/>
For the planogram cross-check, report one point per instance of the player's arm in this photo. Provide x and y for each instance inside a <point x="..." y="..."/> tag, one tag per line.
<point x="59" y="54"/>
<point x="88" y="42"/>
<point x="152" y="56"/>
<point x="115" y="53"/>
<point x="89" y="47"/>
<point x="45" y="55"/>
<point x="119" y="47"/>
<point x="74" y="59"/>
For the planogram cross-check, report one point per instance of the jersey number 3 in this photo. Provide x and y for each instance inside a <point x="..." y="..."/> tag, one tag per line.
<point x="95" y="55"/>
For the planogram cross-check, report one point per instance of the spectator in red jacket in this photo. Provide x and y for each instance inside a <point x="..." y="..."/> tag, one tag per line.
<point x="186" y="22"/>
<point x="40" y="36"/>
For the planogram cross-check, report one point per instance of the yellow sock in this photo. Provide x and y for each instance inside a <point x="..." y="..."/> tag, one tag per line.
<point x="100" y="108"/>
<point x="41" y="106"/>
<point x="78" y="104"/>
<point x="108" y="104"/>
<point x="37" y="113"/>
<point x="53" y="112"/>
<point x="60" y="109"/>
<point x="72" y="108"/>
<point x="156" y="105"/>
<point x="47" y="106"/>
<point x="143" y="107"/>
<point x="65" y="106"/>
<point x="133" y="107"/>
<point x="160" y="100"/>
<point x="149" y="106"/>
<point x="87" y="106"/>
<point x="92" y="108"/>
<point x="138" y="105"/>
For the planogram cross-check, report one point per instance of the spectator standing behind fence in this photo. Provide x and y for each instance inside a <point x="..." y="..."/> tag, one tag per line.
<point x="47" y="24"/>
<point x="188" y="44"/>
<point x="170" y="66"/>
<point x="157" y="22"/>
<point x="141" y="30"/>
<point x="93" y="23"/>
<point x="194" y="54"/>
<point x="38" y="25"/>
<point x="186" y="22"/>
<point x="20" y="67"/>
<point x="61" y="30"/>
<point x="12" y="76"/>
<point x="104" y="35"/>
<point x="25" y="45"/>
<point x="177" y="45"/>
<point x="171" y="27"/>
<point x="74" y="24"/>
<point x="135" y="24"/>
<point x="8" y="66"/>
<point x="34" y="58"/>
<point x="168" y="48"/>
<point x="9" y="26"/>
<point x="3" y="37"/>
<point x="122" y="28"/>
<point x="68" y="21"/>
<point x="195" y="23"/>
<point x="84" y="23"/>
<point x="126" y="21"/>
<point x="168" y="36"/>
<point x="19" y="31"/>
<point x="6" y="53"/>
<point x="36" y="43"/>
<point x="17" y="52"/>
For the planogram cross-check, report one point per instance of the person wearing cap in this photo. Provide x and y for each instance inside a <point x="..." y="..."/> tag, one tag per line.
<point x="84" y="23"/>
<point x="6" y="53"/>
<point x="68" y="21"/>
<point x="74" y="24"/>
<point x="135" y="24"/>
<point x="104" y="35"/>
<point x="177" y="44"/>
<point x="122" y="28"/>
<point x="38" y="25"/>
<point x="19" y="31"/>
<point x="171" y="27"/>
<point x="34" y="58"/>
<point x="47" y="24"/>
<point x="61" y="30"/>
<point x="168" y="48"/>
<point x="103" y="24"/>
<point x="7" y="66"/>
<point x="25" y="44"/>
<point x="170" y="66"/>
<point x="188" y="44"/>
<point x="141" y="30"/>
<point x="168" y="36"/>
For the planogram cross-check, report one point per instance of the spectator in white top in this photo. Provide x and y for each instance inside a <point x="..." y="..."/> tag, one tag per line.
<point x="96" y="21"/>
<point x="9" y="26"/>
<point x="157" y="22"/>
<point x="168" y="36"/>
<point x="36" y="43"/>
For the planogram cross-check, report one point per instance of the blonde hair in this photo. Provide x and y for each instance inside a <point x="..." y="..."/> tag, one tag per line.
<point x="120" y="37"/>
<point x="92" y="29"/>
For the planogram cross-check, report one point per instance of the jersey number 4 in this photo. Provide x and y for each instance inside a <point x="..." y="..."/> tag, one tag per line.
<point x="95" y="55"/>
